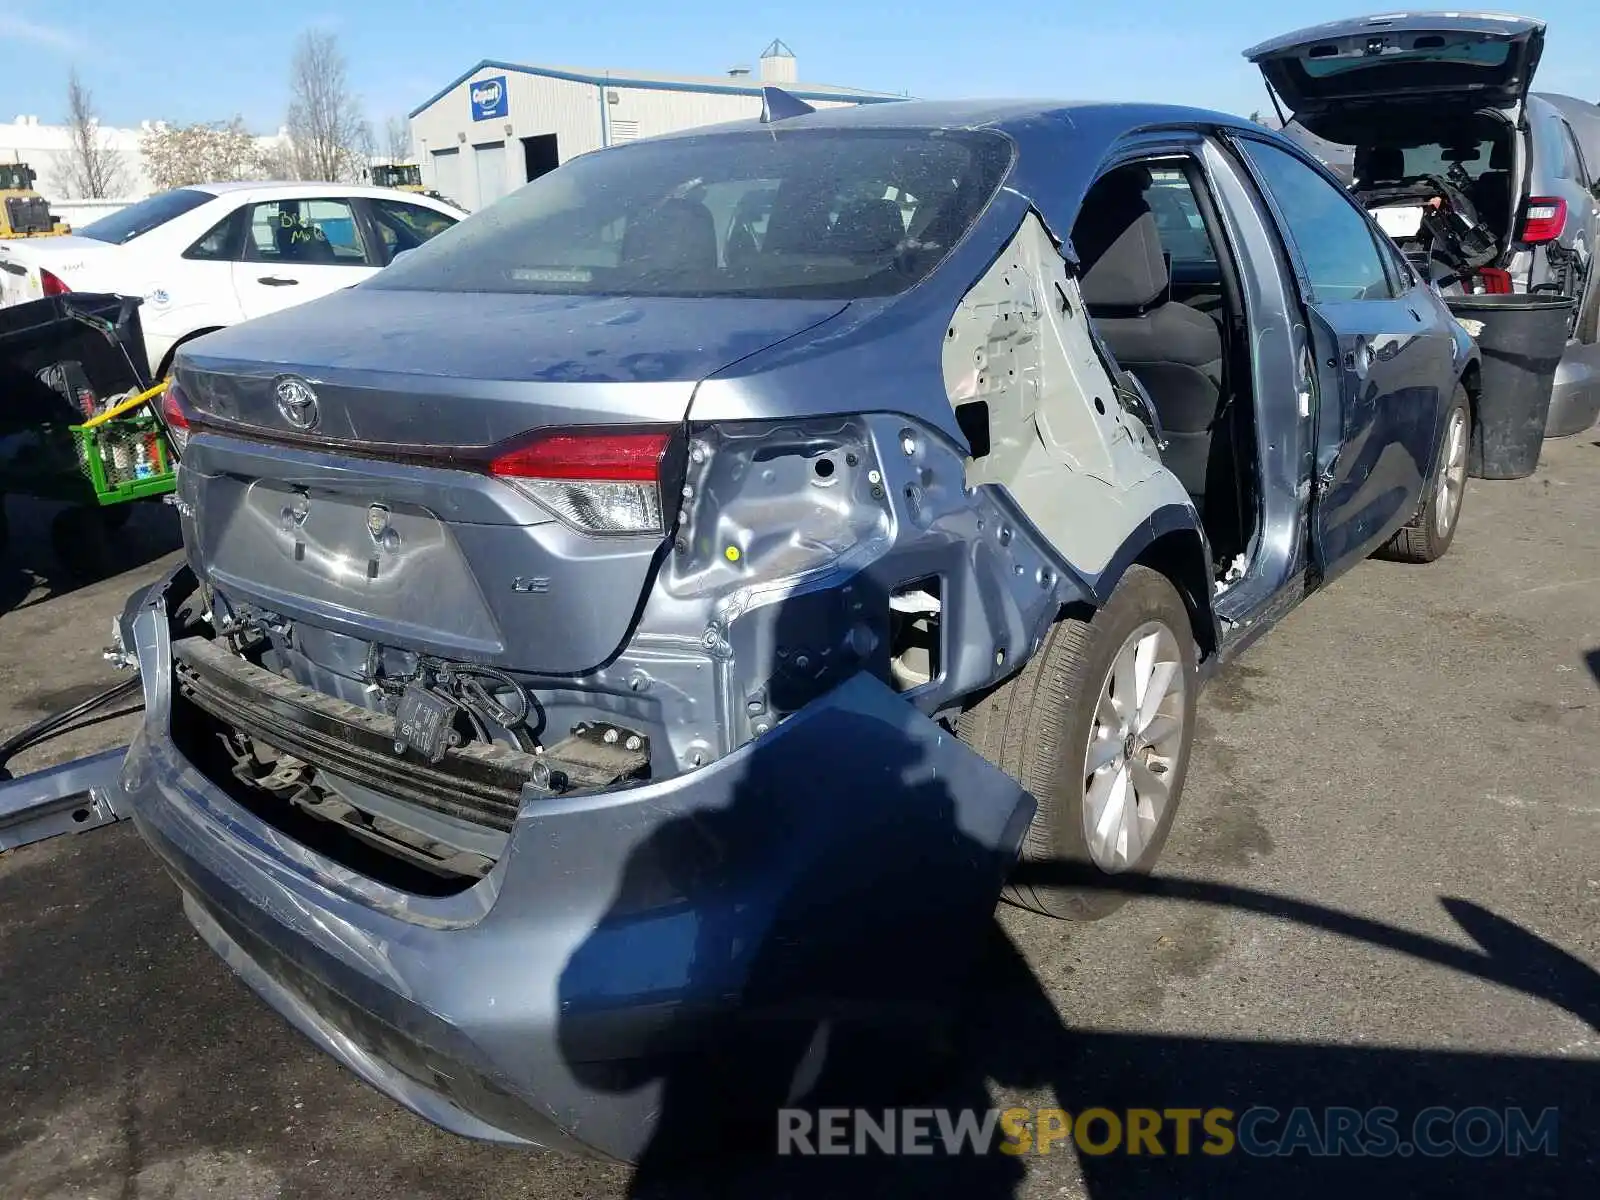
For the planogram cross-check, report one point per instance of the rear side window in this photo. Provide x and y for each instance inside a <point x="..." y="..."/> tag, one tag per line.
<point x="803" y="213"/>
<point x="404" y="226"/>
<point x="224" y="243"/>
<point x="1183" y="230"/>
<point x="138" y="219"/>
<point x="1572" y="157"/>
<point x="1336" y="243"/>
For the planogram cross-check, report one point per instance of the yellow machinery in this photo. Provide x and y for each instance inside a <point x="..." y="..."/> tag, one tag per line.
<point x="405" y="177"/>
<point x="23" y="211"/>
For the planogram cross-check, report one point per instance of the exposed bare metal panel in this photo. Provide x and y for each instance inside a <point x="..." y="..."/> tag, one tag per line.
<point x="1080" y="467"/>
<point x="797" y="544"/>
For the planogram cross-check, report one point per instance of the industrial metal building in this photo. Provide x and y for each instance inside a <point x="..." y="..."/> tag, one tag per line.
<point x="502" y="124"/>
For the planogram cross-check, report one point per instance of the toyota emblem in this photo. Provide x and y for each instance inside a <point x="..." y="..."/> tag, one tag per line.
<point x="296" y="401"/>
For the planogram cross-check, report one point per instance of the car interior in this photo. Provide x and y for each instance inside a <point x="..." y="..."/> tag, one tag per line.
<point x="1474" y="153"/>
<point x="1165" y="301"/>
<point x="316" y="233"/>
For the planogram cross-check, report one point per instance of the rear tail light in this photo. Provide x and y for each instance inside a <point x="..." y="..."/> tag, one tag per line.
<point x="51" y="284"/>
<point x="1495" y="281"/>
<point x="175" y="418"/>
<point x="1543" y="219"/>
<point x="605" y="482"/>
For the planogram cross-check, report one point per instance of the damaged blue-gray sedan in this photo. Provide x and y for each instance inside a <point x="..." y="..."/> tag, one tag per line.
<point x="643" y="629"/>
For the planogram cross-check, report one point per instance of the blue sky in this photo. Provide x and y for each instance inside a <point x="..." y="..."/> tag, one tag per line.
<point x="189" y="60"/>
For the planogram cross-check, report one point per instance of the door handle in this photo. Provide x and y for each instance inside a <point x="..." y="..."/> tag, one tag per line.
<point x="277" y="281"/>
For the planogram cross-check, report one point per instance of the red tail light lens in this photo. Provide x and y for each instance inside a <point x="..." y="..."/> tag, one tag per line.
<point x="606" y="482"/>
<point x="1495" y="281"/>
<point x="175" y="418"/>
<point x="1543" y="219"/>
<point x="52" y="285"/>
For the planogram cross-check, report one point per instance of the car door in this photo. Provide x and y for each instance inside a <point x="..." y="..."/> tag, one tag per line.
<point x="297" y="248"/>
<point x="1381" y="354"/>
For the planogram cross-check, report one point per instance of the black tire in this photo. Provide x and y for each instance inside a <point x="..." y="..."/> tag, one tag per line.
<point x="1036" y="728"/>
<point x="1420" y="540"/>
<point x="81" y="543"/>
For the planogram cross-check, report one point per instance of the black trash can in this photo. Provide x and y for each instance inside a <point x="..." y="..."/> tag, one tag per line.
<point x="1522" y="338"/>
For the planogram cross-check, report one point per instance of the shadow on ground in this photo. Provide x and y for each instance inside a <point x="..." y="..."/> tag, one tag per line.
<point x="1009" y="1035"/>
<point x="875" y="977"/>
<point x="33" y="569"/>
<point x="873" y="973"/>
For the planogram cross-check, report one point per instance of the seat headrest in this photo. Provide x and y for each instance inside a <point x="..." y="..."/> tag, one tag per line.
<point x="1119" y="243"/>
<point x="1500" y="156"/>
<point x="867" y="227"/>
<point x="1380" y="164"/>
<point x="677" y="235"/>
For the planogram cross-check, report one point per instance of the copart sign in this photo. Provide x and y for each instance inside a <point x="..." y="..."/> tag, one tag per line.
<point x="489" y="98"/>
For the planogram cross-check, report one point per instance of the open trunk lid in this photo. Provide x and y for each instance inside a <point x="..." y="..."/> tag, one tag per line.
<point x="469" y="475"/>
<point x="1483" y="60"/>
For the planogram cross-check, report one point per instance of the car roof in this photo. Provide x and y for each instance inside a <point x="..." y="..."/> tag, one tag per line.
<point x="1052" y="181"/>
<point x="298" y="186"/>
<point x="1006" y="115"/>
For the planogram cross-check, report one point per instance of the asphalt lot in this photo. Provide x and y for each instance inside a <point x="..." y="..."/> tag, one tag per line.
<point x="1384" y="888"/>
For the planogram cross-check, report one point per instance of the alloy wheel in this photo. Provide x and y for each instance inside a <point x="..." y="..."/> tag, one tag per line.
<point x="1135" y="744"/>
<point x="1452" y="480"/>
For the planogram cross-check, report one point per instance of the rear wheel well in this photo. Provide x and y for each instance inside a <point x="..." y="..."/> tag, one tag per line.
<point x="1180" y="555"/>
<point x="172" y="351"/>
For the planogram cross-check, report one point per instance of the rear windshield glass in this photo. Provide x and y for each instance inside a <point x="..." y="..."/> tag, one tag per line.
<point x="1472" y="54"/>
<point x="1431" y="62"/>
<point x="128" y="223"/>
<point x="806" y="213"/>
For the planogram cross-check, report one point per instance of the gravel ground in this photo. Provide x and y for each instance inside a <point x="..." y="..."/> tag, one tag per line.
<point x="1384" y="889"/>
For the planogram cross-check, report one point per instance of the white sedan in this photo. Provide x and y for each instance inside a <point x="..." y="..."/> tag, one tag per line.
<point x="219" y="253"/>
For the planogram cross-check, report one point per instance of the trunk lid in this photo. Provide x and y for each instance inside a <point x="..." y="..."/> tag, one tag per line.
<point x="1476" y="59"/>
<point x="373" y="510"/>
<point x="66" y="255"/>
<point x="424" y="370"/>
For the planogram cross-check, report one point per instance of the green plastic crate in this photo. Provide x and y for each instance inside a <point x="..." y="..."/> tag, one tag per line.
<point x="96" y="466"/>
<point x="127" y="458"/>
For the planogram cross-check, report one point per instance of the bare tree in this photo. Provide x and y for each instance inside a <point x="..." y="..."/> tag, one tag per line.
<point x="278" y="159"/>
<point x="332" y="140"/>
<point x="94" y="168"/>
<point x="216" y="153"/>
<point x="398" y="137"/>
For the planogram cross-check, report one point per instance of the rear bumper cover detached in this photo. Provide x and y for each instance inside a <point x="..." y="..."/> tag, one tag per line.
<point x="840" y="870"/>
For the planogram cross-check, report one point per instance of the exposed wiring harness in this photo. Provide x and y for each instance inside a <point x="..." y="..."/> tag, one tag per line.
<point x="52" y="725"/>
<point x="460" y="684"/>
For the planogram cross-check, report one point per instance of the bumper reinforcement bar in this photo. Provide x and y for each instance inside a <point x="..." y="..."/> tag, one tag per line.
<point x="480" y="782"/>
